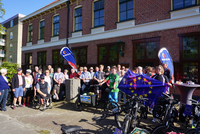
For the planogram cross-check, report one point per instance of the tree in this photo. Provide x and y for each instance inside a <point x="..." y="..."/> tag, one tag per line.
<point x="2" y="13"/>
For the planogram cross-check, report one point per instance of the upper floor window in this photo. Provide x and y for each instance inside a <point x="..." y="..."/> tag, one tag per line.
<point x="56" y="25"/>
<point x="183" y="3"/>
<point x="11" y="35"/>
<point x="78" y="19"/>
<point x="30" y="33"/>
<point x="99" y="13"/>
<point x="11" y="23"/>
<point x="11" y="47"/>
<point x="126" y="10"/>
<point x="42" y="24"/>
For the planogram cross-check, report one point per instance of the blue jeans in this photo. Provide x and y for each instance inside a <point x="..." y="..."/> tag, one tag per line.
<point x="4" y="95"/>
<point x="113" y="96"/>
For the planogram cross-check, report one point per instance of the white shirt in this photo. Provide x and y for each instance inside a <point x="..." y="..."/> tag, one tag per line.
<point x="5" y="78"/>
<point x="48" y="80"/>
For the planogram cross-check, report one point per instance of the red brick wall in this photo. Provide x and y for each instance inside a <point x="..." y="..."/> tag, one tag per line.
<point x="62" y="23"/>
<point x="151" y="10"/>
<point x="48" y="27"/>
<point x="25" y="34"/>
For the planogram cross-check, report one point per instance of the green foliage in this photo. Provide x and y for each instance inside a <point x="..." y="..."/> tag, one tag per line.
<point x="11" y="69"/>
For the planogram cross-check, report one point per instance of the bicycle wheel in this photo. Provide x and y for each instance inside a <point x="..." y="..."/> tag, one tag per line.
<point x="166" y="116"/>
<point x="192" y="131"/>
<point x="126" y="125"/>
<point x="163" y="130"/>
<point x="113" y="107"/>
<point x="36" y="102"/>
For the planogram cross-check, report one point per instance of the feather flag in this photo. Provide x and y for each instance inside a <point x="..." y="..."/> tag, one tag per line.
<point x="69" y="57"/>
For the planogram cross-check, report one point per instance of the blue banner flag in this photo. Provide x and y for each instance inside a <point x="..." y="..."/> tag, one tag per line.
<point x="143" y="86"/>
<point x="69" y="57"/>
<point x="188" y="110"/>
<point x="165" y="57"/>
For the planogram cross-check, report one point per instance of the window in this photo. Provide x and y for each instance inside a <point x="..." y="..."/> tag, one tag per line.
<point x="11" y="23"/>
<point x="108" y="54"/>
<point x="11" y="47"/>
<point x="30" y="33"/>
<point x="126" y="10"/>
<point x="42" y="56"/>
<point x="56" y="25"/>
<point x="42" y="24"/>
<point x="99" y="13"/>
<point x="57" y="60"/>
<point x="189" y="57"/>
<point x="145" y="52"/>
<point x="28" y="61"/>
<point x="11" y="35"/>
<point x="78" y="19"/>
<point x="80" y="55"/>
<point x="10" y="58"/>
<point x="177" y="4"/>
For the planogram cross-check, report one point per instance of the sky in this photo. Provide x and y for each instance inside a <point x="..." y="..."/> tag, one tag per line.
<point x="24" y="7"/>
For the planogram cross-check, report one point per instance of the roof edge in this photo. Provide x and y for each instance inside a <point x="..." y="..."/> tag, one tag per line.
<point x="11" y="18"/>
<point x="43" y="9"/>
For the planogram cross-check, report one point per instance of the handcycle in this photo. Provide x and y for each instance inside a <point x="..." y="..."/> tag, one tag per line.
<point x="131" y="119"/>
<point x="37" y="102"/>
<point x="90" y="100"/>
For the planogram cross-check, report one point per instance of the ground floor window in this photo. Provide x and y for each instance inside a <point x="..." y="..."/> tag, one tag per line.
<point x="80" y="54"/>
<point x="108" y="54"/>
<point x="42" y="56"/>
<point x="145" y="52"/>
<point x="57" y="60"/>
<point x="28" y="61"/>
<point x="189" y="57"/>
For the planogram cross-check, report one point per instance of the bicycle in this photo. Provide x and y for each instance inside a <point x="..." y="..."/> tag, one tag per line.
<point x="131" y="119"/>
<point x="169" y="118"/>
<point x="196" y="118"/>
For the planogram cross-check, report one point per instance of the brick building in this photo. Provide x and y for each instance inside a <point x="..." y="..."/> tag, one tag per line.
<point x="110" y="32"/>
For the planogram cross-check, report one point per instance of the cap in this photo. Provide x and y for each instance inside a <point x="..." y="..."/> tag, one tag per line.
<point x="42" y="77"/>
<point x="108" y="66"/>
<point x="19" y="69"/>
<point x="91" y="68"/>
<point x="28" y="70"/>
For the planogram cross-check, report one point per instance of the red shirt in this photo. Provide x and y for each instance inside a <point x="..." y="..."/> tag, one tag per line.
<point x="73" y="75"/>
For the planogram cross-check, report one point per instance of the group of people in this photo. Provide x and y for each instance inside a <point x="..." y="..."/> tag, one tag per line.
<point x="36" y="83"/>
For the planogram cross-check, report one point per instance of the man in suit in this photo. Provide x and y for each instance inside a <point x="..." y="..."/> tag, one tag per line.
<point x="18" y="86"/>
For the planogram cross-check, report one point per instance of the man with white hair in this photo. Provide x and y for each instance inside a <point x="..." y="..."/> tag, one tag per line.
<point x="85" y="77"/>
<point x="140" y="70"/>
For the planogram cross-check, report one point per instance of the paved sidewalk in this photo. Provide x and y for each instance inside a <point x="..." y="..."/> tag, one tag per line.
<point x="12" y="126"/>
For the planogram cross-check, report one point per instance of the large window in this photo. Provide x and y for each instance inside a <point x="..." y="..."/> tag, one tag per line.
<point x="177" y="4"/>
<point x="42" y="24"/>
<point x="99" y="13"/>
<point x="30" y="33"/>
<point x="108" y="54"/>
<point x="57" y="59"/>
<point x="189" y="56"/>
<point x="78" y="19"/>
<point x="56" y="25"/>
<point x="126" y="10"/>
<point x="28" y="61"/>
<point x="42" y="57"/>
<point x="80" y="55"/>
<point x="145" y="52"/>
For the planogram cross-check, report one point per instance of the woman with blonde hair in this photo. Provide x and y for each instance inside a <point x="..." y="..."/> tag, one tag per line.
<point x="149" y="72"/>
<point x="4" y="87"/>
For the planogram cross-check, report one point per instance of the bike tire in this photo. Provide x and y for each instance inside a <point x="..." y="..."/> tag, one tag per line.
<point x="77" y="105"/>
<point x="192" y="131"/>
<point x="111" y="106"/>
<point x="166" y="116"/>
<point x="126" y="125"/>
<point x="161" y="130"/>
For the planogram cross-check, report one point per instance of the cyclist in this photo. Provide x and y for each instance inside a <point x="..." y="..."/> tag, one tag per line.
<point x="113" y="81"/>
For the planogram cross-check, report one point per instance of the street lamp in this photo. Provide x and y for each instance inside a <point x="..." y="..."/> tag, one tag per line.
<point x="67" y="34"/>
<point x="120" y="45"/>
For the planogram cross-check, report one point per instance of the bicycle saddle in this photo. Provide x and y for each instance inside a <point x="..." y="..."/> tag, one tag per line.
<point x="70" y="129"/>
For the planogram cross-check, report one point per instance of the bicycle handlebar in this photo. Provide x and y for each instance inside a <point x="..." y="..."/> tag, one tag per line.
<point x="195" y="102"/>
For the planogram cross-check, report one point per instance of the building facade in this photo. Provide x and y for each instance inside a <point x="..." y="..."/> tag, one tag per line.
<point x="13" y="39"/>
<point x="111" y="32"/>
